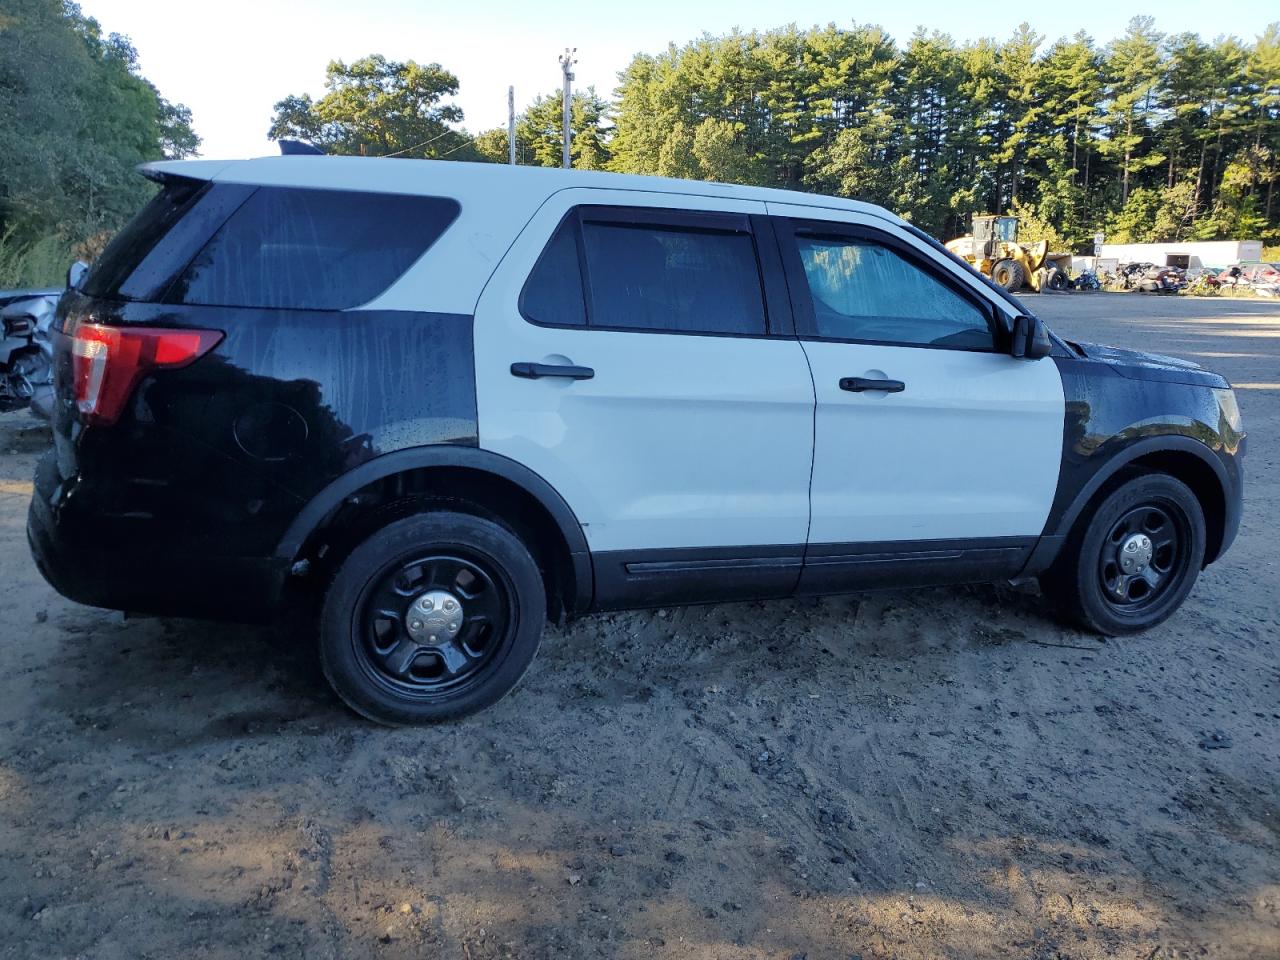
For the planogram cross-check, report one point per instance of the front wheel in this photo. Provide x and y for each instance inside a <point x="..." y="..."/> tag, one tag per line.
<point x="1008" y="274"/>
<point x="1135" y="560"/>
<point x="434" y="616"/>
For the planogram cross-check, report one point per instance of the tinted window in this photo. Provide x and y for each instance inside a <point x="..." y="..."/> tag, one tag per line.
<point x="313" y="249"/>
<point x="139" y="236"/>
<point x="553" y="293"/>
<point x="648" y="277"/>
<point x="864" y="291"/>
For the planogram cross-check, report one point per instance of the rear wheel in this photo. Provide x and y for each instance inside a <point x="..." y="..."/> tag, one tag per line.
<point x="1135" y="560"/>
<point x="431" y="617"/>
<point x="1008" y="274"/>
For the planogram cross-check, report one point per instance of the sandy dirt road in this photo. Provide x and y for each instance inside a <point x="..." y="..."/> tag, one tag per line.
<point x="943" y="773"/>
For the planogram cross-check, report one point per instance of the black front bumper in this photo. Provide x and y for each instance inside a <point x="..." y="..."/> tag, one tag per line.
<point x="90" y="560"/>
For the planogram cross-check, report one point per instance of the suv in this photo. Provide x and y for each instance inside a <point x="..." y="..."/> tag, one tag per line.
<point x="449" y="401"/>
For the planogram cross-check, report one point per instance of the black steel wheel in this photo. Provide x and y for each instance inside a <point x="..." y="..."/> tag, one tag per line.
<point x="1142" y="556"/>
<point x="429" y="622"/>
<point x="433" y="616"/>
<point x="1131" y="563"/>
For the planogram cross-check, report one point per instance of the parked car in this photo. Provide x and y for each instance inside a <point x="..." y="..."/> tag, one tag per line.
<point x="10" y="296"/>
<point x="450" y="401"/>
<point x="26" y="358"/>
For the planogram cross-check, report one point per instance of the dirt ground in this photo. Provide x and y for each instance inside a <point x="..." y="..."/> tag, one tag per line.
<point x="899" y="775"/>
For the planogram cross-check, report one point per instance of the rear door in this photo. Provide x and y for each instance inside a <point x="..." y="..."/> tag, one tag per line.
<point x="936" y="453"/>
<point x="627" y="353"/>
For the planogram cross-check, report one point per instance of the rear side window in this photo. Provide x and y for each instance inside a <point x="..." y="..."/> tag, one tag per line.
<point x="647" y="275"/>
<point x="300" y="249"/>
<point x="139" y="237"/>
<point x="553" y="294"/>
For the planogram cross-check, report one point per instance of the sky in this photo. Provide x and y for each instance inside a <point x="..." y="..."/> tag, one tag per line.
<point x="231" y="61"/>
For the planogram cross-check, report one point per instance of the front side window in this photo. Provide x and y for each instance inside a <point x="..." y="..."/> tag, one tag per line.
<point x="644" y="275"/>
<point x="299" y="249"/>
<point x="862" y="290"/>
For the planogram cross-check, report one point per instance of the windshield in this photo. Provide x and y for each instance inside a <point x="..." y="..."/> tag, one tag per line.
<point x="1007" y="229"/>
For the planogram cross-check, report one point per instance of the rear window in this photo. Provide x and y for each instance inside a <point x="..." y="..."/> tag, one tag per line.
<point x="647" y="277"/>
<point x="299" y="249"/>
<point x="130" y="247"/>
<point x="686" y="276"/>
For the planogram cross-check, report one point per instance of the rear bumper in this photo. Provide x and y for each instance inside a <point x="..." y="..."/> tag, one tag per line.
<point x="88" y="563"/>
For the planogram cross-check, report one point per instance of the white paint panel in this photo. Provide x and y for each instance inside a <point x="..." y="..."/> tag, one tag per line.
<point x="678" y="440"/>
<point x="971" y="448"/>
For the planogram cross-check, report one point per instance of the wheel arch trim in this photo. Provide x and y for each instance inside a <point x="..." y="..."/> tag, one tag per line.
<point x="1055" y="533"/>
<point x="330" y="497"/>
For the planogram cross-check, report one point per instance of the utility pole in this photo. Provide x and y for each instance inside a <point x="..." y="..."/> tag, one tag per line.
<point x="567" y="61"/>
<point x="511" y="125"/>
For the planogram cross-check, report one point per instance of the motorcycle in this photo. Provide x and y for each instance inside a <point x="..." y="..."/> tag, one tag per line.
<point x="26" y="354"/>
<point x="1087" y="280"/>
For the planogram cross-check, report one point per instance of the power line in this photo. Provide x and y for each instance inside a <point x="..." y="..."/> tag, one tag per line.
<point x="422" y="144"/>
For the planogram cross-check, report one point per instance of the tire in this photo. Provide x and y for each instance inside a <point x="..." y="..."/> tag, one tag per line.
<point x="431" y="617"/>
<point x="1091" y="584"/>
<point x="1008" y="274"/>
<point x="1058" y="280"/>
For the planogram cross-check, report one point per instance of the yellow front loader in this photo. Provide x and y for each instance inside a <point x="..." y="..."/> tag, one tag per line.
<point x="994" y="251"/>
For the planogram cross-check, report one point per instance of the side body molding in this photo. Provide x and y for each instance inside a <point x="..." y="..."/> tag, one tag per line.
<point x="449" y="455"/>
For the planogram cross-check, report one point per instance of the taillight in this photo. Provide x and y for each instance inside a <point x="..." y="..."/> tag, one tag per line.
<point x="107" y="362"/>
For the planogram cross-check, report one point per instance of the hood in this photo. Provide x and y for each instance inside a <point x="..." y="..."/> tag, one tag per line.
<point x="1137" y="365"/>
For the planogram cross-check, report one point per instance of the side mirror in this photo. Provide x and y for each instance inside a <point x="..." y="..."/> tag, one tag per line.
<point x="75" y="273"/>
<point x="1030" y="338"/>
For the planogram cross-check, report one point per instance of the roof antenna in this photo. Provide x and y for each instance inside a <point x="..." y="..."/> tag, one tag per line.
<point x="299" y="148"/>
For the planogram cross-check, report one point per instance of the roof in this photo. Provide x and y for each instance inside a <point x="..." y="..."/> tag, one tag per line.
<point x="396" y="175"/>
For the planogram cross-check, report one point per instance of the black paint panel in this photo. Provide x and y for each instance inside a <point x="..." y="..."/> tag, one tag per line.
<point x="843" y="567"/>
<point x="647" y="578"/>
<point x="222" y="455"/>
<point x="634" y="579"/>
<point x="1113" y="417"/>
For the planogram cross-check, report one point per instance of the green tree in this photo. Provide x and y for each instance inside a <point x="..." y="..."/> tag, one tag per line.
<point x="1134" y="71"/>
<point x="76" y="118"/>
<point x="540" y="131"/>
<point x="377" y="107"/>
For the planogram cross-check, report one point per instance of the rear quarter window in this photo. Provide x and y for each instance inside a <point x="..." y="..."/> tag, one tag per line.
<point x="301" y="249"/>
<point x="131" y="247"/>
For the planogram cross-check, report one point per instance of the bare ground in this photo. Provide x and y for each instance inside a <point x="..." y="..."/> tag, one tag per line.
<point x="936" y="774"/>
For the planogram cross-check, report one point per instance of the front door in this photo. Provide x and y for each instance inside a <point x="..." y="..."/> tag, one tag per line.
<point x="936" y="453"/>
<point x="625" y="351"/>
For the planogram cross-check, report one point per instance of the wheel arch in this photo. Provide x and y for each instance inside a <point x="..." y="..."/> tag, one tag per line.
<point x="500" y="486"/>
<point x="1183" y="458"/>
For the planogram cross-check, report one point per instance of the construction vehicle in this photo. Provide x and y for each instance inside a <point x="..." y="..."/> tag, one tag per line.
<point x="994" y="251"/>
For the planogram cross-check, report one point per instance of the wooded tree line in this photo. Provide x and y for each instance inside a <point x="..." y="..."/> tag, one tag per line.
<point x="76" y="117"/>
<point x="1151" y="137"/>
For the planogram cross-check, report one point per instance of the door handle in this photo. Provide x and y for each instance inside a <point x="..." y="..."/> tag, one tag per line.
<point x="862" y="384"/>
<point x="535" y="371"/>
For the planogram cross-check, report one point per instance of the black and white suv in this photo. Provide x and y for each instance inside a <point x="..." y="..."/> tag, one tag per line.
<point x="452" y="400"/>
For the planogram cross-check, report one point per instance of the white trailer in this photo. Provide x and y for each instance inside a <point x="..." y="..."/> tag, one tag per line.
<point x="1192" y="254"/>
